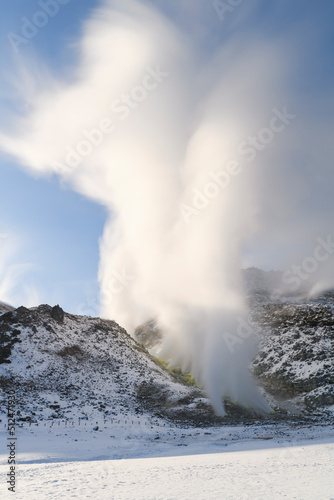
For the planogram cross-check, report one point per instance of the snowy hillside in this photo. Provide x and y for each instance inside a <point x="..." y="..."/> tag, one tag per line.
<point x="77" y="367"/>
<point x="296" y="356"/>
<point x="66" y="366"/>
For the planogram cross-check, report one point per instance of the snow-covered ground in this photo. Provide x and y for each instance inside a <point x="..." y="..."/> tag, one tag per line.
<point x="127" y="461"/>
<point x="85" y="396"/>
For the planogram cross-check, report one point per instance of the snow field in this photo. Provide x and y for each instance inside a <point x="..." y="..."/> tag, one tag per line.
<point x="299" y="472"/>
<point x="124" y="462"/>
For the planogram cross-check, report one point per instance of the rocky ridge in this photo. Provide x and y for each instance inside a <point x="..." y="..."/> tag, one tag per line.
<point x="66" y="366"/>
<point x="296" y="349"/>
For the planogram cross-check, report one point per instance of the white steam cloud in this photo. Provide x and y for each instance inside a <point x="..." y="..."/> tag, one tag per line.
<point x="160" y="134"/>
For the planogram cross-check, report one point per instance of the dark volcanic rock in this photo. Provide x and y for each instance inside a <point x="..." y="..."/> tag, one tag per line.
<point x="57" y="314"/>
<point x="296" y="355"/>
<point x="8" y="338"/>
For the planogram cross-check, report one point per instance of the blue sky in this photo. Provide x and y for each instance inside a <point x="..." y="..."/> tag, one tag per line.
<point x="58" y="229"/>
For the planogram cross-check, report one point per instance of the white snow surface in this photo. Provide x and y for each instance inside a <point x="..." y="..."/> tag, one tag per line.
<point x="126" y="461"/>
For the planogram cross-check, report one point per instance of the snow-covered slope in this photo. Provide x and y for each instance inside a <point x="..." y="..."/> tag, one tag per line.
<point x="66" y="366"/>
<point x="296" y="356"/>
